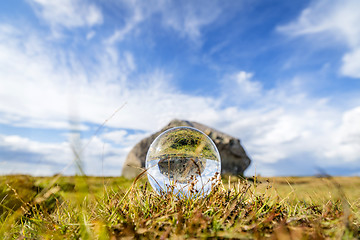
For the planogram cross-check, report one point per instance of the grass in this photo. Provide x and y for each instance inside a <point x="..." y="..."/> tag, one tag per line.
<point x="185" y="142"/>
<point x="80" y="207"/>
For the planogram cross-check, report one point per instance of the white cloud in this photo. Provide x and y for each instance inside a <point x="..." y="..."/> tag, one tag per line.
<point x="34" y="73"/>
<point x="102" y="155"/>
<point x="187" y="18"/>
<point x="336" y="17"/>
<point x="39" y="158"/>
<point x="123" y="138"/>
<point x="247" y="86"/>
<point x="115" y="136"/>
<point x="68" y="13"/>
<point x="90" y="35"/>
<point x="351" y="64"/>
<point x="47" y="153"/>
<point x="345" y="141"/>
<point x="41" y="90"/>
<point x="137" y="16"/>
<point x="284" y="123"/>
<point x="240" y="88"/>
<point x="45" y="86"/>
<point x="339" y="21"/>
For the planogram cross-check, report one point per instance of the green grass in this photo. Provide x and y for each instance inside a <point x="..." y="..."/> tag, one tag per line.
<point x="115" y="208"/>
<point x="185" y="142"/>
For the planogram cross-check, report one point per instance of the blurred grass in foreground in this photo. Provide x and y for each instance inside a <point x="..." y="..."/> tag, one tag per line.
<point x="81" y="207"/>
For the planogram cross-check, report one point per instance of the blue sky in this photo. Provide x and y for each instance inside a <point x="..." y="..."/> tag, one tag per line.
<point x="283" y="76"/>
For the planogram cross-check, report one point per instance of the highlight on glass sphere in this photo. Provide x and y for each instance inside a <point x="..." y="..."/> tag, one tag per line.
<point x="183" y="160"/>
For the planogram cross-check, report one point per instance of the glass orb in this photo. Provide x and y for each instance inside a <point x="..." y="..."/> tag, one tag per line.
<point x="184" y="161"/>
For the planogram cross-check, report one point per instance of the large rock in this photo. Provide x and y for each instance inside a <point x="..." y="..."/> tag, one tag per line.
<point x="233" y="156"/>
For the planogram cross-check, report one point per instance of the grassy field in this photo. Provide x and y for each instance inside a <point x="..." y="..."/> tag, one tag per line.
<point x="115" y="208"/>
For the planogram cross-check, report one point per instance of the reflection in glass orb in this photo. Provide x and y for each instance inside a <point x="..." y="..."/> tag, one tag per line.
<point x="183" y="160"/>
